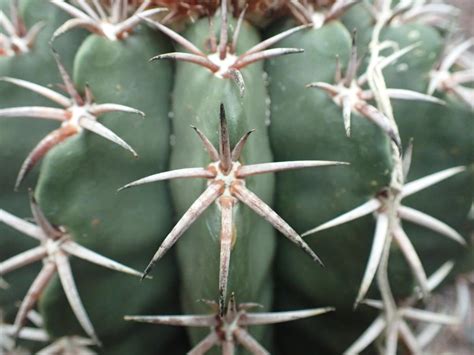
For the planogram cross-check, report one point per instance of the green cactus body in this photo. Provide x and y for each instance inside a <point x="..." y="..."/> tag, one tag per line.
<point x="196" y="99"/>
<point x="443" y="137"/>
<point x="313" y="124"/>
<point x="77" y="189"/>
<point x="410" y="72"/>
<point x="18" y="136"/>
<point x="295" y="124"/>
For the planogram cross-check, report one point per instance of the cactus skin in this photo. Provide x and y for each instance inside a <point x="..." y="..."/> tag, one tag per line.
<point x="19" y="135"/>
<point x="443" y="136"/>
<point x="77" y="189"/>
<point x="196" y="99"/>
<point x="434" y="144"/>
<point x="318" y="125"/>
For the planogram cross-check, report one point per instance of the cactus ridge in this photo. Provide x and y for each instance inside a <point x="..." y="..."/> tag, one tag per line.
<point x="78" y="178"/>
<point x="56" y="245"/>
<point x="382" y="205"/>
<point x="78" y="113"/>
<point x="347" y="93"/>
<point x="226" y="185"/>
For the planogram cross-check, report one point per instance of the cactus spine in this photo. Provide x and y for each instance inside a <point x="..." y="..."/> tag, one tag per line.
<point x="390" y="227"/>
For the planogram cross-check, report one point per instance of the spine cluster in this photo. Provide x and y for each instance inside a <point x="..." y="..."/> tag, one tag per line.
<point x="225" y="94"/>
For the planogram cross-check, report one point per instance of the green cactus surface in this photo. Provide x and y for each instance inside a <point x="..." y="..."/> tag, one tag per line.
<point x="237" y="244"/>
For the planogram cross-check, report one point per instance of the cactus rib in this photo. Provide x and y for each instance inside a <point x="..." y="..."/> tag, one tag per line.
<point x="348" y="94"/>
<point x="227" y="186"/>
<point x="79" y="113"/>
<point x="56" y="245"/>
<point x="381" y="206"/>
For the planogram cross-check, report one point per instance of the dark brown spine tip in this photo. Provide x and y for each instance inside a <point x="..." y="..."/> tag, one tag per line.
<point x="221" y="303"/>
<point x="222" y="112"/>
<point x="147" y="270"/>
<point x="354" y="36"/>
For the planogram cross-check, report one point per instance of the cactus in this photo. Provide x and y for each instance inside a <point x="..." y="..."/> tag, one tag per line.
<point x="382" y="87"/>
<point x="56" y="245"/>
<point x="37" y="65"/>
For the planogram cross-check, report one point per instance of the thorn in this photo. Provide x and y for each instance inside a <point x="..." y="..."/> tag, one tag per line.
<point x="70" y="88"/>
<point x="44" y="146"/>
<point x="188" y="57"/>
<point x="265" y="211"/>
<point x="235" y="36"/>
<point x="245" y="60"/>
<point x="168" y="175"/>
<point x="352" y="65"/>
<point x="406" y="162"/>
<point x="147" y="270"/>
<point x="211" y="150"/>
<point x="238" y="79"/>
<point x="223" y="35"/>
<point x="380" y="235"/>
<point x="224" y="142"/>
<point x="237" y="151"/>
